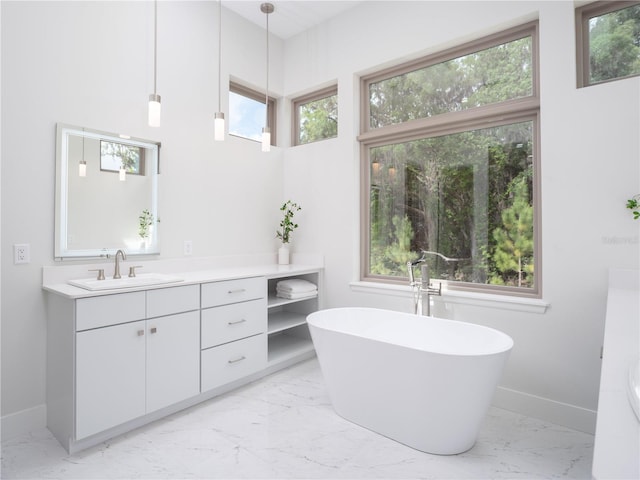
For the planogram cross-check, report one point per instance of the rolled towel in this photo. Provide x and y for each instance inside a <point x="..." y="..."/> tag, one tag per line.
<point x="296" y="285"/>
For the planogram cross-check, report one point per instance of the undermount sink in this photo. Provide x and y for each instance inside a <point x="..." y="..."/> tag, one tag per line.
<point x="140" y="280"/>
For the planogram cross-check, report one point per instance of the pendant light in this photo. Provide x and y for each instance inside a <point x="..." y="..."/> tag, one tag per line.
<point x="267" y="8"/>
<point x="218" y="122"/>
<point x="82" y="166"/>
<point x="154" y="98"/>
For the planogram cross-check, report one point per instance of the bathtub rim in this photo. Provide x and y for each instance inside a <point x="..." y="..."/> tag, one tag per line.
<point x="508" y="346"/>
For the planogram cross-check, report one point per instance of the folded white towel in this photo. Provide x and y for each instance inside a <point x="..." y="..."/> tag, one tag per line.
<point x="296" y="285"/>
<point x="296" y="296"/>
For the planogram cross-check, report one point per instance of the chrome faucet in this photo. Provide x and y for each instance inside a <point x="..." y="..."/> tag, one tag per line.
<point x="423" y="286"/>
<point x="116" y="272"/>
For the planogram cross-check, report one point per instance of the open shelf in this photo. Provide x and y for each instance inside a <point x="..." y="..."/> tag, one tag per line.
<point x="288" y="333"/>
<point x="274" y="301"/>
<point x="285" y="320"/>
<point x="283" y="347"/>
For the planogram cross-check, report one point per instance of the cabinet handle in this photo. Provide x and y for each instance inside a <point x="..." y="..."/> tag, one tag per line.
<point x="140" y="333"/>
<point x="239" y="359"/>
<point x="242" y="320"/>
<point x="238" y="290"/>
<point x="154" y="330"/>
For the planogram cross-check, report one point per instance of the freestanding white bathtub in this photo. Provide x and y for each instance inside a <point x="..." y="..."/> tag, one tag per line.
<point x="422" y="381"/>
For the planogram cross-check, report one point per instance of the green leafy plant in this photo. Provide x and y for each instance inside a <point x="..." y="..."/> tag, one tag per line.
<point x="634" y="205"/>
<point x="286" y="225"/>
<point x="145" y="220"/>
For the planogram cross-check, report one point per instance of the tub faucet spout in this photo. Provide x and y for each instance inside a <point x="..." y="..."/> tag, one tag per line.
<point x="422" y="288"/>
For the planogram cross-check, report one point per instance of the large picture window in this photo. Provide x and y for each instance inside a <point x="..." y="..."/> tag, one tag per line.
<point x="450" y="166"/>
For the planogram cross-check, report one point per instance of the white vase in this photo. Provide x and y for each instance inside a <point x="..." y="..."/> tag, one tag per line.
<point x="283" y="254"/>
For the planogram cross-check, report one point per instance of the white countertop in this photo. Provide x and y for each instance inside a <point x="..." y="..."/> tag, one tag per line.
<point x="617" y="442"/>
<point x="190" y="271"/>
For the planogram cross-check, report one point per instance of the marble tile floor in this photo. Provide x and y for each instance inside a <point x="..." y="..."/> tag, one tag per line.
<point x="283" y="427"/>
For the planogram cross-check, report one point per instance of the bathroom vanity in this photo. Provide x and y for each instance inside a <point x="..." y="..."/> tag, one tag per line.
<point x="118" y="359"/>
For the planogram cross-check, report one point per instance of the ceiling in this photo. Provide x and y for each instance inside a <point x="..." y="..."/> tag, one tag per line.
<point x="290" y="17"/>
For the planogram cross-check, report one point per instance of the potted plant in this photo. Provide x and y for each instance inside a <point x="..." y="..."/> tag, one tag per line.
<point x="287" y="226"/>
<point x="145" y="222"/>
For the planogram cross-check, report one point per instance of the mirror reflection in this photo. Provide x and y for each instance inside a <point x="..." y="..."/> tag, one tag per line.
<point x="106" y="194"/>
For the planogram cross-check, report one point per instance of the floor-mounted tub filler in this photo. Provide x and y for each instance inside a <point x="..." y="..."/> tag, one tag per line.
<point x="422" y="381"/>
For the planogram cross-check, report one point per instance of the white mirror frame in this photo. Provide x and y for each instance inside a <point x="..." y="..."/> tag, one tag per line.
<point x="62" y="246"/>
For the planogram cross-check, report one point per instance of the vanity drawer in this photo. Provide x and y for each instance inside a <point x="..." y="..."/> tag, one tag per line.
<point x="232" y="322"/>
<point x="229" y="362"/>
<point x="233" y="291"/>
<point x="167" y="301"/>
<point x="95" y="312"/>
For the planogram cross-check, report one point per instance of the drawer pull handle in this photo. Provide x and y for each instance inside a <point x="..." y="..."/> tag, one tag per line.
<point x="154" y="330"/>
<point x="140" y="333"/>
<point x="239" y="359"/>
<point x="237" y="321"/>
<point x="237" y="290"/>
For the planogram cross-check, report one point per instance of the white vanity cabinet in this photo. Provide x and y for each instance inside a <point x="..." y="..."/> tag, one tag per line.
<point x="117" y="360"/>
<point x="234" y="322"/>
<point x="113" y="363"/>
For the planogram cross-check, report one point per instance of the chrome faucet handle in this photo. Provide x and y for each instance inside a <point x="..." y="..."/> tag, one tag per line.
<point x="100" y="272"/>
<point x="132" y="270"/>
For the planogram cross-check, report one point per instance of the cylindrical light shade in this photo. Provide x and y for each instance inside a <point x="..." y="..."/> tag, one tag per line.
<point x="154" y="110"/>
<point x="266" y="139"/>
<point x="82" y="168"/>
<point x="218" y="126"/>
<point x="123" y="174"/>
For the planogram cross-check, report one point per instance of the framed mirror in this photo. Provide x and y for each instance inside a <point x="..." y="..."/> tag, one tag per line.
<point x="106" y="194"/>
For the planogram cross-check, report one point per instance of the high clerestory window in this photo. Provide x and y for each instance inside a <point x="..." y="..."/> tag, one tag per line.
<point x="450" y="166"/>
<point x="247" y="114"/>
<point x="315" y="116"/>
<point x="608" y="41"/>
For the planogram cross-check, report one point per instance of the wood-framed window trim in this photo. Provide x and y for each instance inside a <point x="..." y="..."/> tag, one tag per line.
<point x="500" y="113"/>
<point x="583" y="15"/>
<point x="303" y="100"/>
<point x="514" y="33"/>
<point x="258" y="97"/>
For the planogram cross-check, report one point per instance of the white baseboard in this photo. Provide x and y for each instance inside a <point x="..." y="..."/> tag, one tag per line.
<point x="23" y="422"/>
<point x="577" y="418"/>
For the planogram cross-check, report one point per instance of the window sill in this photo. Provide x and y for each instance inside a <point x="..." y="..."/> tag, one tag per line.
<point x="503" y="302"/>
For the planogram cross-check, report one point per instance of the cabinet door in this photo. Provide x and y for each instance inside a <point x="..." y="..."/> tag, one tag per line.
<point x="173" y="359"/>
<point x="110" y="377"/>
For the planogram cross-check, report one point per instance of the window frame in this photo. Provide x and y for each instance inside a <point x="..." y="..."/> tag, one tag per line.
<point x="486" y="116"/>
<point x="303" y="100"/>
<point x="248" y="92"/>
<point x="583" y="15"/>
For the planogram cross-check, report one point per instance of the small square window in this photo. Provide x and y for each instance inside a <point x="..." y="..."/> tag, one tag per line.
<point x="114" y="155"/>
<point x="316" y="116"/>
<point x="247" y="113"/>
<point x="608" y="42"/>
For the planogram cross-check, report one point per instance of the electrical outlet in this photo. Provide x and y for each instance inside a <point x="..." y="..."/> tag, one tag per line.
<point x="188" y="247"/>
<point x="21" y="253"/>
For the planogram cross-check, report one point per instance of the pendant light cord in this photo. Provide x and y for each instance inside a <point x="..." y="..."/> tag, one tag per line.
<point x="219" y="52"/>
<point x="155" y="46"/>
<point x="266" y="99"/>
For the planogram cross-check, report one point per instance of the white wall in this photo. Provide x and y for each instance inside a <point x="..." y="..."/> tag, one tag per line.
<point x="90" y="63"/>
<point x="589" y="156"/>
